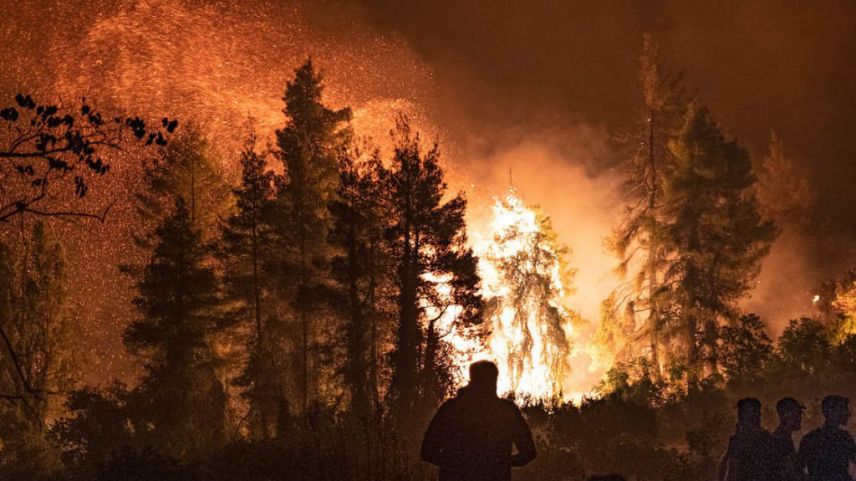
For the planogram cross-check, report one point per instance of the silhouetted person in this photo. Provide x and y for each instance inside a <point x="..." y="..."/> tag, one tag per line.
<point x="473" y="435"/>
<point x="786" y="464"/>
<point x="828" y="451"/>
<point x="750" y="449"/>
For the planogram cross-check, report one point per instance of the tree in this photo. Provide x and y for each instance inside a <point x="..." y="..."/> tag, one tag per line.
<point x="360" y="270"/>
<point x="39" y="364"/>
<point x="805" y="346"/>
<point x="311" y="144"/>
<point x="49" y="155"/>
<point x="426" y="238"/>
<point x="745" y="349"/>
<point x="837" y="303"/>
<point x="715" y="235"/>
<point x="181" y="397"/>
<point x="783" y="195"/>
<point x="187" y="169"/>
<point x="524" y="279"/>
<point x="246" y="240"/>
<point x="638" y="240"/>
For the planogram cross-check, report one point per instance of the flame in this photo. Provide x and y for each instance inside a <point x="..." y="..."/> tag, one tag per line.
<point x="529" y="328"/>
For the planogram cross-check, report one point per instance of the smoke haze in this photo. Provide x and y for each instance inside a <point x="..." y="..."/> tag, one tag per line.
<point x="529" y="87"/>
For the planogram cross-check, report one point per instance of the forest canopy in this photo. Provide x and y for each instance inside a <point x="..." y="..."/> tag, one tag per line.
<point x="302" y="315"/>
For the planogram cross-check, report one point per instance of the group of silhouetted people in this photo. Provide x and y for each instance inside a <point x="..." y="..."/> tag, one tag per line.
<point x="824" y="454"/>
<point x="477" y="436"/>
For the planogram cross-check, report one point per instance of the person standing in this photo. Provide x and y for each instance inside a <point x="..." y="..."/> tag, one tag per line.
<point x="828" y="450"/>
<point x="787" y="465"/>
<point x="473" y="435"/>
<point x="750" y="450"/>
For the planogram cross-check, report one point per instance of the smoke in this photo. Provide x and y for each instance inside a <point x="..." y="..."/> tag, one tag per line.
<point x="533" y="90"/>
<point x="547" y="168"/>
<point x="216" y="64"/>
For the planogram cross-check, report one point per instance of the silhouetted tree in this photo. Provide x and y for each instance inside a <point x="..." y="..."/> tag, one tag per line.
<point x="245" y="243"/>
<point x="638" y="240"/>
<point x="715" y="236"/>
<point x="38" y="327"/>
<point x="49" y="155"/>
<point x="427" y="241"/>
<point x="745" y="349"/>
<point x="98" y="423"/>
<point x="187" y="169"/>
<point x="181" y="401"/>
<point x="783" y="194"/>
<point x="310" y="146"/>
<point x="805" y="345"/>
<point x="361" y="272"/>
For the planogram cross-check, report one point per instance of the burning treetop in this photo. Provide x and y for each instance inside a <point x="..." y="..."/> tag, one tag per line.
<point x="523" y="282"/>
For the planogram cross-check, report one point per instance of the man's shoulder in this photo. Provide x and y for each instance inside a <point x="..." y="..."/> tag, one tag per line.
<point x="448" y="405"/>
<point x="841" y="435"/>
<point x="508" y="406"/>
<point x="811" y="437"/>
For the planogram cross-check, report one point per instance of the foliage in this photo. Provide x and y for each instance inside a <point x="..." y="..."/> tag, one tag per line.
<point x="715" y="235"/>
<point x="49" y="152"/>
<point x="744" y="349"/>
<point x="310" y="145"/>
<point x="245" y="242"/>
<point x="638" y="240"/>
<point x="361" y="271"/>
<point x="181" y="399"/>
<point x="187" y="169"/>
<point x="426" y="239"/>
<point x="39" y="360"/>
<point x="783" y="194"/>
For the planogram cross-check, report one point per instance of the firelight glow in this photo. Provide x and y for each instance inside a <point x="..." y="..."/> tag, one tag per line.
<point x="530" y="331"/>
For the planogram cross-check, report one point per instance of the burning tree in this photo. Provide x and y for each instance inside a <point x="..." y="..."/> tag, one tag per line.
<point x="524" y="282"/>
<point x="635" y="310"/>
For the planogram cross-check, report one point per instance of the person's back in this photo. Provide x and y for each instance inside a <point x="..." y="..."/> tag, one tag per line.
<point x="825" y="451"/>
<point x="828" y="451"/>
<point x="472" y="435"/>
<point x="786" y="464"/>
<point x="749" y="456"/>
<point x="751" y="449"/>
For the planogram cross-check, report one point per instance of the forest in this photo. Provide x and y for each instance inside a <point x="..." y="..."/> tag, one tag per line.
<point x="302" y="315"/>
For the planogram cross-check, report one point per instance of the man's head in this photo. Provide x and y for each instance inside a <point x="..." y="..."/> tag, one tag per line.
<point x="483" y="375"/>
<point x="790" y="413"/>
<point x="836" y="410"/>
<point x="749" y="412"/>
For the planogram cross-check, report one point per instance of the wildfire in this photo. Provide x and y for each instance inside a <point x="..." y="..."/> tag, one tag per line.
<point x="530" y="331"/>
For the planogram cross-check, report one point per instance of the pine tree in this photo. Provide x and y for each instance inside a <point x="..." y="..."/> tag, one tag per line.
<point x="188" y="168"/>
<point x="360" y="270"/>
<point x="245" y="243"/>
<point x="716" y="237"/>
<point x="181" y="397"/>
<point x="638" y="240"/>
<point x="427" y="240"/>
<point x="310" y="146"/>
<point x="525" y="279"/>
<point x="783" y="195"/>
